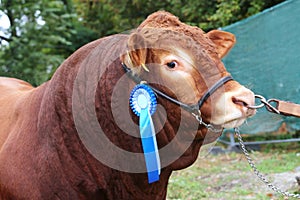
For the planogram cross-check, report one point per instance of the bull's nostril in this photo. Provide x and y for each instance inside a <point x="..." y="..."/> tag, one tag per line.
<point x="239" y="102"/>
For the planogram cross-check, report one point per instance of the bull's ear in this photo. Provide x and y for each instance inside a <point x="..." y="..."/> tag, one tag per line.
<point x="224" y="41"/>
<point x="137" y="51"/>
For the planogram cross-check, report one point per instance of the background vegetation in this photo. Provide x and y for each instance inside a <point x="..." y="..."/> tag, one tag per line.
<point x="229" y="176"/>
<point x="43" y="33"/>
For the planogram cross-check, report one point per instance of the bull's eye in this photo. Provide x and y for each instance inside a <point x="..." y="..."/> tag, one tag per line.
<point x="172" y="64"/>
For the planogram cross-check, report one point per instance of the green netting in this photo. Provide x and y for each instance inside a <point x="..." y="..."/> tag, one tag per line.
<point x="266" y="59"/>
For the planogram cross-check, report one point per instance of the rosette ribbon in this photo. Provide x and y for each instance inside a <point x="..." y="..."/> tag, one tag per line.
<point x="143" y="103"/>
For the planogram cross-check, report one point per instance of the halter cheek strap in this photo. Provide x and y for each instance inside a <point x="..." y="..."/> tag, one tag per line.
<point x="213" y="88"/>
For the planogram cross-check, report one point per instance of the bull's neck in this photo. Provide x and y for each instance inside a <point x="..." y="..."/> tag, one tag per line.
<point x="83" y="94"/>
<point x="117" y="183"/>
<point x="58" y="108"/>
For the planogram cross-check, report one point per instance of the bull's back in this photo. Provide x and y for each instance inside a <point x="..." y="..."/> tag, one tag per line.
<point x="13" y="93"/>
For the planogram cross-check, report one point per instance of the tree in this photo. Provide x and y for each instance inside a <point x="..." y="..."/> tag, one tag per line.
<point x="38" y="38"/>
<point x="43" y="33"/>
<point x="113" y="16"/>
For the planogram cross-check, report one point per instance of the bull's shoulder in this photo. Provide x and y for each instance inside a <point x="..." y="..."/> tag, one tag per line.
<point x="12" y="90"/>
<point x="13" y="93"/>
<point x="14" y="84"/>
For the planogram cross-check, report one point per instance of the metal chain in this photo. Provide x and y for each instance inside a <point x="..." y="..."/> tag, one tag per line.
<point x="208" y="126"/>
<point x="257" y="172"/>
<point x="263" y="178"/>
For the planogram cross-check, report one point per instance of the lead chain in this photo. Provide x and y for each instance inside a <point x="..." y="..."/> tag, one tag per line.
<point x="208" y="126"/>
<point x="257" y="172"/>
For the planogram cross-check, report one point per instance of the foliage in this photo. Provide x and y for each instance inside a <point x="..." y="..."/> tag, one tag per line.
<point x="117" y="16"/>
<point x="43" y="33"/>
<point x="38" y="38"/>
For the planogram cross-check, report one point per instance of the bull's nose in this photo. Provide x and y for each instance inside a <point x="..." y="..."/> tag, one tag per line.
<point x="244" y="99"/>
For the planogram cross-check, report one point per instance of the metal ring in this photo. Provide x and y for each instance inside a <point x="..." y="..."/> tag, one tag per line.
<point x="273" y="100"/>
<point x="271" y="108"/>
<point x="198" y="117"/>
<point x="262" y="100"/>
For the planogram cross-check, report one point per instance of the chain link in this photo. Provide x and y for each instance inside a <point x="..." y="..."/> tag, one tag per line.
<point x="264" y="102"/>
<point x="257" y="172"/>
<point x="210" y="127"/>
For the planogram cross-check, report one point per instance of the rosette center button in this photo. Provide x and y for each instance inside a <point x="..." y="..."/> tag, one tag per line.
<point x="142" y="101"/>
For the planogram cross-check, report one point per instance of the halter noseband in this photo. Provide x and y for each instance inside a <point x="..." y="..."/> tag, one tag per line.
<point x="190" y="108"/>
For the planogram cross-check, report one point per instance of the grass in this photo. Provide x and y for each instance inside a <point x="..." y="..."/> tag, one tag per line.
<point x="279" y="162"/>
<point x="228" y="176"/>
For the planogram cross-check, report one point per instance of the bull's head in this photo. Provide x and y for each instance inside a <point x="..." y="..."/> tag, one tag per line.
<point x="183" y="62"/>
<point x="187" y="62"/>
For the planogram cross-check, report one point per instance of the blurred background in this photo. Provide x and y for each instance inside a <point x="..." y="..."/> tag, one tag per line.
<point x="37" y="35"/>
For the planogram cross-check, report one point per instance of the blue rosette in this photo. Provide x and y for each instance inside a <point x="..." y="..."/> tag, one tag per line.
<point x="140" y="97"/>
<point x="143" y="103"/>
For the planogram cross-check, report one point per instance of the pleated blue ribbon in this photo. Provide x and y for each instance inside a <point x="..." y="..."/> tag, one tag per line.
<point x="143" y="103"/>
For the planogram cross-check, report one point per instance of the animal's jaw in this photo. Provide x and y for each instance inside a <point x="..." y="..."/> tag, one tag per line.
<point x="235" y="119"/>
<point x="212" y="136"/>
<point x="234" y="123"/>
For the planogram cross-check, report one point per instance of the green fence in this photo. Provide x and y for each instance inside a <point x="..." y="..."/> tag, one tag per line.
<point x="266" y="59"/>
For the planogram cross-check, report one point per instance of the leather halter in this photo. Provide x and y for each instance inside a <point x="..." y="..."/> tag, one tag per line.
<point x="191" y="108"/>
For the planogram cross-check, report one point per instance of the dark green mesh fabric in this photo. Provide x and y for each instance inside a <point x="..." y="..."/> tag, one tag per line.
<point x="266" y="59"/>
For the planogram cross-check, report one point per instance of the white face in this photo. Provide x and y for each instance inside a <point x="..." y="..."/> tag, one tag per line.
<point x="232" y="107"/>
<point x="229" y="105"/>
